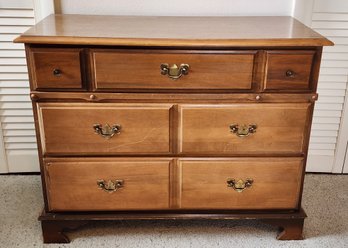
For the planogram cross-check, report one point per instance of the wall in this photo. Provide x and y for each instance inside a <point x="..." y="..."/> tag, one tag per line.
<point x="177" y="7"/>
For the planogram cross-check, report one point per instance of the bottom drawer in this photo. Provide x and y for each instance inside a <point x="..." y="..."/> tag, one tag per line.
<point x="107" y="184"/>
<point x="241" y="183"/>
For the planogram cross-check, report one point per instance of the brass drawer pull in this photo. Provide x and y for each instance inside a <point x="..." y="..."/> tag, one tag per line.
<point x="107" y="132"/>
<point x="110" y="186"/>
<point x="57" y="72"/>
<point x="243" y="130"/>
<point x="239" y="185"/>
<point x="174" y="72"/>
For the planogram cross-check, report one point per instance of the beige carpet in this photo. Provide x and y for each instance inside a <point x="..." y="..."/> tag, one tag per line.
<point x="325" y="200"/>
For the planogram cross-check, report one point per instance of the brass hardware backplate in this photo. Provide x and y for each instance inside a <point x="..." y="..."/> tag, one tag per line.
<point x="174" y="72"/>
<point x="239" y="185"/>
<point x="243" y="130"/>
<point x="111" y="185"/>
<point x="107" y="131"/>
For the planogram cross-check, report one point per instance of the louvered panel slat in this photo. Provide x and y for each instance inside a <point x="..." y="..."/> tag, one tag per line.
<point x="321" y="152"/>
<point x="334" y="71"/>
<point x="329" y="25"/>
<point x="14" y="76"/>
<point x="328" y="99"/>
<point x="331" y="92"/>
<point x="318" y="140"/>
<point x="330" y="17"/>
<point x="321" y="133"/>
<point x="25" y="139"/>
<point x="16" y="12"/>
<point x="337" y="6"/>
<point x="11" y="45"/>
<point x="11" y="84"/>
<point x="21" y="126"/>
<point x="14" y="91"/>
<point x="14" y="98"/>
<point x="339" y="40"/>
<point x="17" y="119"/>
<point x="12" y="53"/>
<point x="13" y="68"/>
<point x="332" y="127"/>
<point x="329" y="85"/>
<point x="328" y="106"/>
<point x="334" y="56"/>
<point x="13" y="61"/>
<point x="327" y="113"/>
<point x="13" y="29"/>
<point x="335" y="120"/>
<point x="335" y="63"/>
<point x="7" y="133"/>
<point x="17" y="4"/>
<point x="15" y="105"/>
<point x="332" y="78"/>
<point x="14" y="21"/>
<point x="8" y="37"/>
<point x="322" y="146"/>
<point x="338" y="48"/>
<point x="16" y="112"/>
<point x="20" y="146"/>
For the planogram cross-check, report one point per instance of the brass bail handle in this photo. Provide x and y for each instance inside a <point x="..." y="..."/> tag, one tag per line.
<point x="239" y="185"/>
<point x="174" y="72"/>
<point x="243" y="130"/>
<point x="110" y="186"/>
<point x="107" y="131"/>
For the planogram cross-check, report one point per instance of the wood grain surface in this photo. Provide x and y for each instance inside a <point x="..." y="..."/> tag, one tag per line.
<point x="173" y="31"/>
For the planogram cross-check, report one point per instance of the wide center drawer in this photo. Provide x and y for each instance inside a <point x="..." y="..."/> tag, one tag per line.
<point x="105" y="129"/>
<point x="96" y="184"/>
<point x="243" y="129"/>
<point x="153" y="69"/>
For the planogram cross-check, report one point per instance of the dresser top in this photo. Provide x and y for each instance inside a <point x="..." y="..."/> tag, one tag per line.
<point x="173" y="31"/>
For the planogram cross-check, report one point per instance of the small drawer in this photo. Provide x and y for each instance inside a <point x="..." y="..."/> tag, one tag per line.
<point x="288" y="71"/>
<point x="104" y="129"/>
<point x="243" y="129"/>
<point x="241" y="183"/>
<point x="54" y="68"/>
<point x="153" y="69"/>
<point x="106" y="184"/>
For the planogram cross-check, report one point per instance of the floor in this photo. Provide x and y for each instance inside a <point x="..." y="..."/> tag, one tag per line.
<point x="325" y="200"/>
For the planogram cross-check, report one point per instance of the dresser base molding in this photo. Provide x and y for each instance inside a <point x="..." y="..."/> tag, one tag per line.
<point x="55" y="225"/>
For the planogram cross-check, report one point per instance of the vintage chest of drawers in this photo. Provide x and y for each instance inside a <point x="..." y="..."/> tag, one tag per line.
<point x="172" y="118"/>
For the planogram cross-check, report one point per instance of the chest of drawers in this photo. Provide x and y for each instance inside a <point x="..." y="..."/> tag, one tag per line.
<point x="172" y="118"/>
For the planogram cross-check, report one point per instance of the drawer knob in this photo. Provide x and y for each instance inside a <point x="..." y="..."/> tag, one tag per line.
<point x="107" y="131"/>
<point x="243" y="130"/>
<point x="290" y="73"/>
<point x="57" y="72"/>
<point x="111" y="185"/>
<point x="239" y="185"/>
<point x="174" y="72"/>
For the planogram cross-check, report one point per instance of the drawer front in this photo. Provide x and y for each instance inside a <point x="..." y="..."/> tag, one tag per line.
<point x="107" y="184"/>
<point x="115" y="69"/>
<point x="250" y="183"/>
<point x="55" y="68"/>
<point x="243" y="129"/>
<point x="289" y="70"/>
<point x="105" y="129"/>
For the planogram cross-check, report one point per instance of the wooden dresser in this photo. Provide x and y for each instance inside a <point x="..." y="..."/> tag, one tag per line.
<point x="172" y="118"/>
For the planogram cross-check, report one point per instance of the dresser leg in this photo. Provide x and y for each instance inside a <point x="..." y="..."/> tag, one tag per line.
<point x="289" y="229"/>
<point x="54" y="231"/>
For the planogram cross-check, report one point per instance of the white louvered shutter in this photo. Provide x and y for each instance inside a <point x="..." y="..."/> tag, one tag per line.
<point x="17" y="124"/>
<point x="329" y="18"/>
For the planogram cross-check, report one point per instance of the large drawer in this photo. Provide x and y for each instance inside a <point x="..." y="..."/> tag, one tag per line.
<point x="243" y="129"/>
<point x="104" y="129"/>
<point x="243" y="183"/>
<point x="132" y="69"/>
<point x="99" y="184"/>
